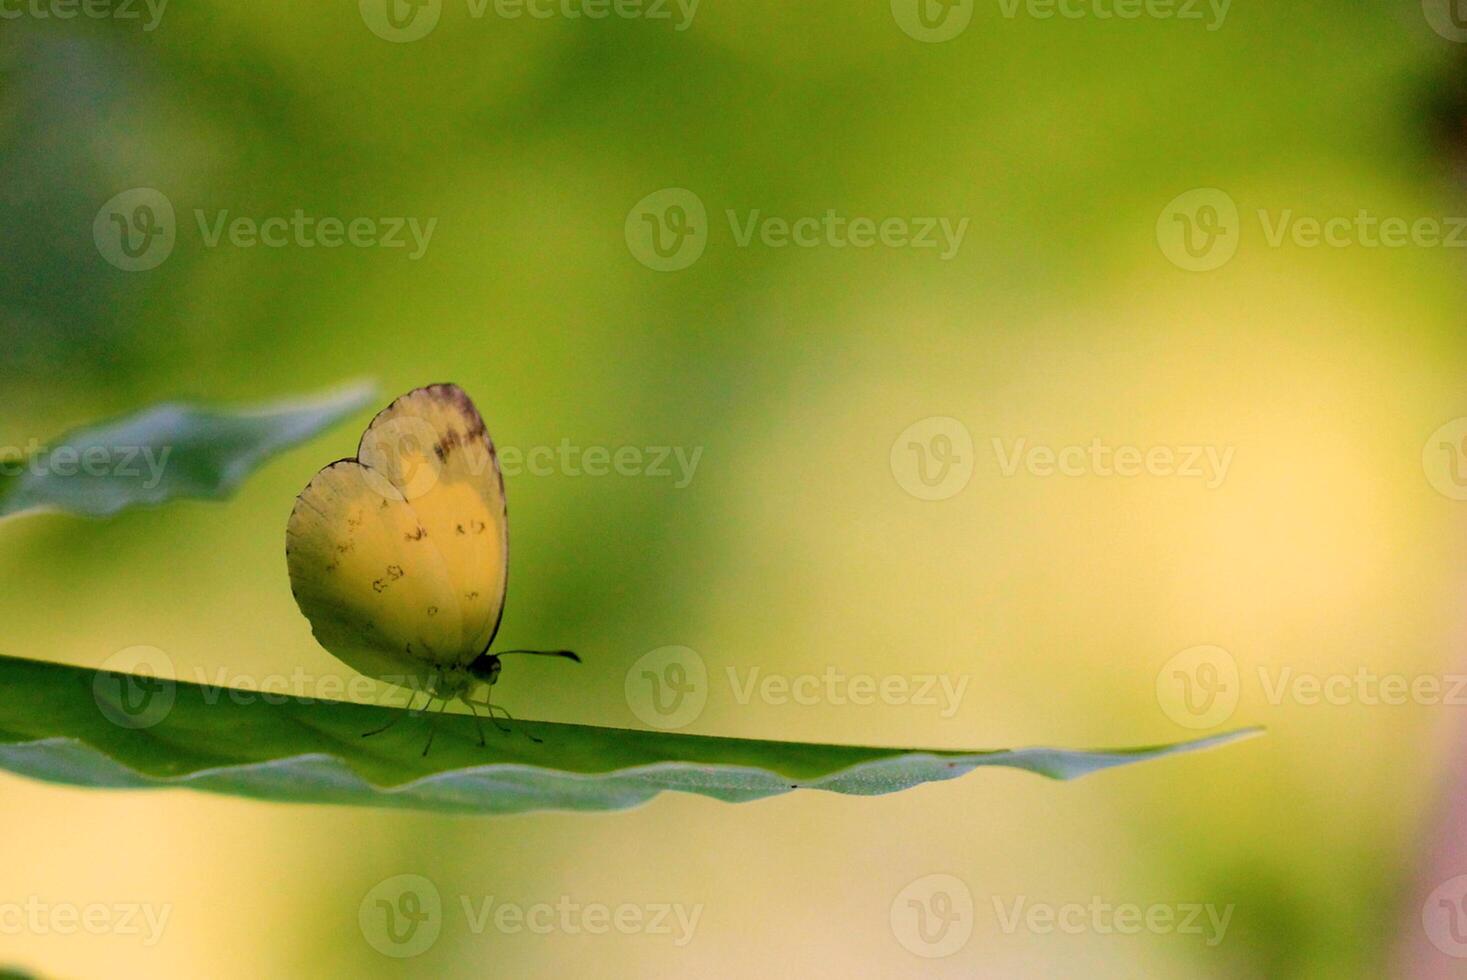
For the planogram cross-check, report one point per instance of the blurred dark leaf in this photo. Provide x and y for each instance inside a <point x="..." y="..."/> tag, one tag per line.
<point x="164" y="453"/>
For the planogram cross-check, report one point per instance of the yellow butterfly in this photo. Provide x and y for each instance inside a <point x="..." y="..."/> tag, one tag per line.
<point x="400" y="557"/>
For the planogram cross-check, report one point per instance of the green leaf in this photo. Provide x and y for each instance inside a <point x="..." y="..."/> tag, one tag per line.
<point x="87" y="727"/>
<point x="164" y="453"/>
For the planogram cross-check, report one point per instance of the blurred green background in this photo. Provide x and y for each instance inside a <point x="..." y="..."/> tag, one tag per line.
<point x="797" y="545"/>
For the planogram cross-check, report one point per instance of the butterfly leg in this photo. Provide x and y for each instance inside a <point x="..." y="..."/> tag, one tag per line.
<point x="478" y="725"/>
<point x="488" y="703"/>
<point x="395" y="718"/>
<point x="433" y="725"/>
<point x="509" y="717"/>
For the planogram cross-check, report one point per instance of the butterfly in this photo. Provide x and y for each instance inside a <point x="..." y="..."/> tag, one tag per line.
<point x="399" y="557"/>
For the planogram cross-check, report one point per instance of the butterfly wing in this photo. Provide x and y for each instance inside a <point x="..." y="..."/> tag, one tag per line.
<point x="399" y="558"/>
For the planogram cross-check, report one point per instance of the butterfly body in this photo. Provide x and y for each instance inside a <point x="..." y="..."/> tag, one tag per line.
<point x="399" y="557"/>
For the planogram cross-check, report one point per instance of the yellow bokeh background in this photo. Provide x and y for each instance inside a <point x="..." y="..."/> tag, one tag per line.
<point x="795" y="547"/>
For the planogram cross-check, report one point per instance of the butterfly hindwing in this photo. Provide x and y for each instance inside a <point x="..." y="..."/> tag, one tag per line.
<point x="399" y="558"/>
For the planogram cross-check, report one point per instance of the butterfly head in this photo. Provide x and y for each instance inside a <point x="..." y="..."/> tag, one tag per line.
<point x="485" y="667"/>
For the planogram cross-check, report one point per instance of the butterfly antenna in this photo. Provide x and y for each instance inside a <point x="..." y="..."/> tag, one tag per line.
<point x="564" y="654"/>
<point x="396" y="717"/>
